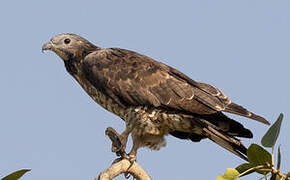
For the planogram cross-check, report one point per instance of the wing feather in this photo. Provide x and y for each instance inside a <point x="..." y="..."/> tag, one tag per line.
<point x="134" y="79"/>
<point x="226" y="104"/>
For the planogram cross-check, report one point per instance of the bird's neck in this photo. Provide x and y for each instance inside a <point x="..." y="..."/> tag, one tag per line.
<point x="71" y="66"/>
<point x="72" y="62"/>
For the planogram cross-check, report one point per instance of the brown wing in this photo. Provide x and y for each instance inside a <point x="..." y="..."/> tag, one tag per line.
<point x="229" y="106"/>
<point x="133" y="79"/>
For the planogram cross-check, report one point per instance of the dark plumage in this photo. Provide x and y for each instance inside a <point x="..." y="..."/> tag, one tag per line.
<point x="152" y="98"/>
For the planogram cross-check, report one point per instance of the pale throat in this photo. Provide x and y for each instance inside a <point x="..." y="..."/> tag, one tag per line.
<point x="61" y="54"/>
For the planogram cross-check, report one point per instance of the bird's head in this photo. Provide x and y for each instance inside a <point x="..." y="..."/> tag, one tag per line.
<point x="69" y="46"/>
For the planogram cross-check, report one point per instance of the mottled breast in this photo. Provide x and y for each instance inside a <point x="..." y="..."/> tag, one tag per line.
<point x="100" y="98"/>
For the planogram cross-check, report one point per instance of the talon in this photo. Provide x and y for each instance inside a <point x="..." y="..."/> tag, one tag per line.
<point x="131" y="159"/>
<point x="127" y="175"/>
<point x="118" y="141"/>
<point x="117" y="160"/>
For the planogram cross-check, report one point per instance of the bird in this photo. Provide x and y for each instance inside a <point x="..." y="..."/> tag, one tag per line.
<point x="153" y="99"/>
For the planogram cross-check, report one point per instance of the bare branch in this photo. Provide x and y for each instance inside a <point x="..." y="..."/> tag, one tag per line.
<point x="122" y="166"/>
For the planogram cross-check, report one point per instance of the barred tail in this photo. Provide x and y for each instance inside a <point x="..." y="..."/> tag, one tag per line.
<point x="228" y="142"/>
<point x="239" y="110"/>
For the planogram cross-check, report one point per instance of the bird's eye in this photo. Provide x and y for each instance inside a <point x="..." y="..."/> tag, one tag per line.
<point x="67" y="41"/>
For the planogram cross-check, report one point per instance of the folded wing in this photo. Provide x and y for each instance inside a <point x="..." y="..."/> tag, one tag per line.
<point x="132" y="79"/>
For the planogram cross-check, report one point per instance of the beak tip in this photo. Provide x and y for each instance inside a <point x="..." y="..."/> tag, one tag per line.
<point x="46" y="46"/>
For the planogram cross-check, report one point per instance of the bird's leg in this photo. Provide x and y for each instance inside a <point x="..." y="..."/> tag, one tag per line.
<point x="133" y="153"/>
<point x="115" y="138"/>
<point x="119" y="141"/>
<point x="131" y="157"/>
<point x="124" y="138"/>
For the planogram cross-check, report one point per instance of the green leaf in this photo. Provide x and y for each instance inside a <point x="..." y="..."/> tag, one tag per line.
<point x="264" y="171"/>
<point x="244" y="167"/>
<point x="275" y="177"/>
<point x="230" y="174"/>
<point x="16" y="175"/>
<point x="288" y="175"/>
<point x="269" y="139"/>
<point x="258" y="155"/>
<point x="279" y="158"/>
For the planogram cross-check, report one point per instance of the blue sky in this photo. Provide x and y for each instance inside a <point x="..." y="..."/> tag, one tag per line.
<point x="49" y="124"/>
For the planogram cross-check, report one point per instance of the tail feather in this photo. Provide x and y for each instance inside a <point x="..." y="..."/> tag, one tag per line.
<point x="219" y="129"/>
<point x="239" y="110"/>
<point x="228" y="125"/>
<point x="230" y="143"/>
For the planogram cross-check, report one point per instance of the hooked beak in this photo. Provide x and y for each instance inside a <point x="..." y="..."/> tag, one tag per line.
<point x="47" y="46"/>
